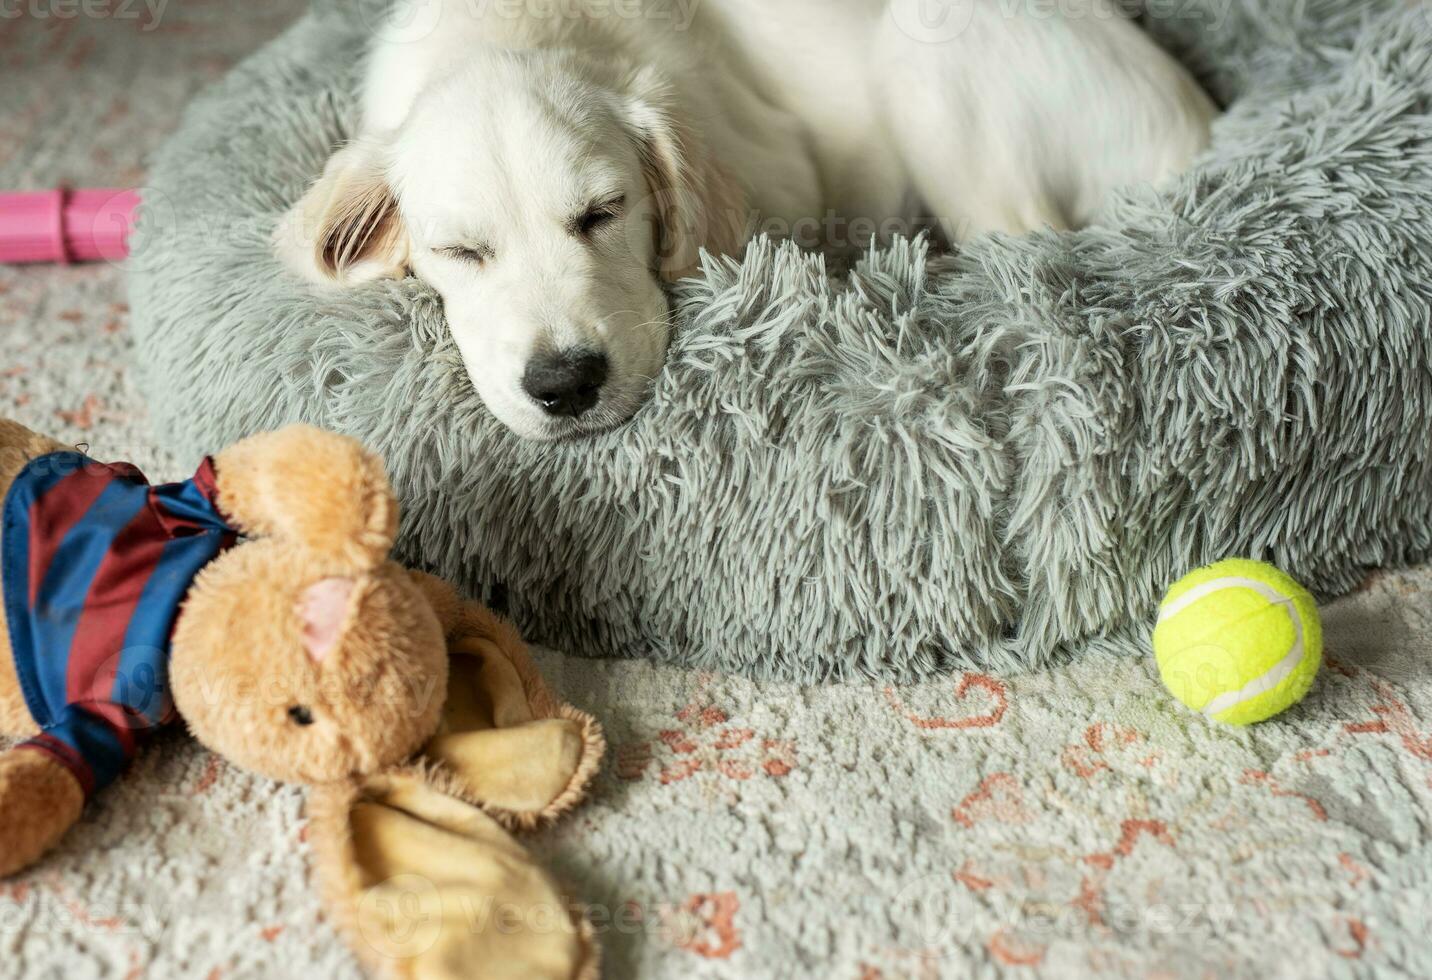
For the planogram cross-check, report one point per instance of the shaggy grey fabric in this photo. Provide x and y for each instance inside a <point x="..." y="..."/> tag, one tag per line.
<point x="995" y="457"/>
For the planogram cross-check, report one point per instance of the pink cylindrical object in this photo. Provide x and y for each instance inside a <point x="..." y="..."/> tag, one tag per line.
<point x="67" y="226"/>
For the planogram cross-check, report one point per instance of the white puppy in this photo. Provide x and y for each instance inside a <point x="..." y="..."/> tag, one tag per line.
<point x="546" y="164"/>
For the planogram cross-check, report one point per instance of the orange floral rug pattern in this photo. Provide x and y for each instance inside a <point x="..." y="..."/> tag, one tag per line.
<point x="1075" y="822"/>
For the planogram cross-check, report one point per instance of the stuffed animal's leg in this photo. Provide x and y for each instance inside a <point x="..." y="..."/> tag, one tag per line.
<point x="39" y="798"/>
<point x="39" y="801"/>
<point x="505" y="739"/>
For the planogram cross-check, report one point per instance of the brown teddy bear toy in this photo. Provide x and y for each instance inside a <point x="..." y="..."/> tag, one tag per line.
<point x="256" y="599"/>
<point x="258" y="603"/>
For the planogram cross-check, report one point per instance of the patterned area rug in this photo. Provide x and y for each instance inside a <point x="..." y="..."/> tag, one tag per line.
<point x="1069" y="823"/>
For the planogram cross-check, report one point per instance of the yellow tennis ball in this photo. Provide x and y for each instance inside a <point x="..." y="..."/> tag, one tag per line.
<point x="1239" y="641"/>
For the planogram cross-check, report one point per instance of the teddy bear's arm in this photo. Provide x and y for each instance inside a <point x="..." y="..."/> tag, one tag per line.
<point x="506" y="740"/>
<point x="316" y="489"/>
<point x="39" y="801"/>
<point x="446" y="603"/>
<point x="14" y="713"/>
<point x="18" y="446"/>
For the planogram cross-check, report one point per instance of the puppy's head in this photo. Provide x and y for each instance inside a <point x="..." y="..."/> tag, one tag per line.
<point x="546" y="197"/>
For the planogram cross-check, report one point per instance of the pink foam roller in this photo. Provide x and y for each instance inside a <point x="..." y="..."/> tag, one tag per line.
<point x="67" y="226"/>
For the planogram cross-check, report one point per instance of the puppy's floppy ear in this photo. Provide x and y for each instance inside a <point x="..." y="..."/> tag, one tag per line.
<point x="698" y="203"/>
<point x="347" y="228"/>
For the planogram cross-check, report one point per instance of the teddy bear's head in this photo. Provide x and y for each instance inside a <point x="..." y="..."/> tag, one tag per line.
<point x="306" y="676"/>
<point x="303" y="653"/>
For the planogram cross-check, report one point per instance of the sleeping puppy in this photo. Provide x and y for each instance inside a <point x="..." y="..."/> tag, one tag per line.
<point x="547" y="166"/>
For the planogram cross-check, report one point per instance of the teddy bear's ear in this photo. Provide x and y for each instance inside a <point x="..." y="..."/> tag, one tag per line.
<point x="323" y="609"/>
<point x="403" y="842"/>
<point x="321" y="491"/>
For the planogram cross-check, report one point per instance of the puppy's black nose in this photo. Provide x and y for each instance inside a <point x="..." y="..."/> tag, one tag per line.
<point x="566" y="382"/>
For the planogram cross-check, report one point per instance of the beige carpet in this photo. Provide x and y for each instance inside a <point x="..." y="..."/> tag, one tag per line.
<point x="1071" y="823"/>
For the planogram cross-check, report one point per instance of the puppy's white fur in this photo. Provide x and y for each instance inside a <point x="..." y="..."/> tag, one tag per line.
<point x="492" y="134"/>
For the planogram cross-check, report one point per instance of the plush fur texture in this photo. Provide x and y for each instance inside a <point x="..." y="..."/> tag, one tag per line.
<point x="502" y="753"/>
<point x="512" y="696"/>
<point x="370" y="674"/>
<point x="52" y="796"/>
<point x="18" y="445"/>
<point x="543" y="169"/>
<point x="39" y="801"/>
<point x="374" y="700"/>
<point x="995" y="457"/>
<point x="508" y="756"/>
<point x="329" y="493"/>
<point x="406" y="836"/>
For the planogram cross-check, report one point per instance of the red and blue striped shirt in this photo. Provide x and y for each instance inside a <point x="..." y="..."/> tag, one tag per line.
<point x="94" y="564"/>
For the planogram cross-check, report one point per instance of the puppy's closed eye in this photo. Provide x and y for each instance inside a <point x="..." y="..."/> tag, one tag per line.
<point x="592" y="219"/>
<point x="476" y="254"/>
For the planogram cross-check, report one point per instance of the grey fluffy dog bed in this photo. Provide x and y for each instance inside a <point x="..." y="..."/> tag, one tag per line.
<point x="992" y="458"/>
